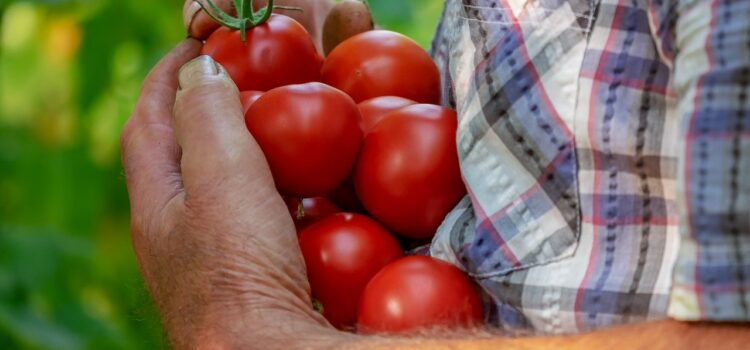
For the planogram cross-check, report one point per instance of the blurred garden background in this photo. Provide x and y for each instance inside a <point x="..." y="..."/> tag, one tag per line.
<point x="70" y="73"/>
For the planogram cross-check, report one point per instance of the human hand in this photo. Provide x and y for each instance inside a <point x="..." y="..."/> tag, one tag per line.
<point x="213" y="238"/>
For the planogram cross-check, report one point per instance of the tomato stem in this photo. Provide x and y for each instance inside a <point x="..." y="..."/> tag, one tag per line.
<point x="288" y="8"/>
<point x="247" y="18"/>
<point x="318" y="306"/>
<point x="300" y="210"/>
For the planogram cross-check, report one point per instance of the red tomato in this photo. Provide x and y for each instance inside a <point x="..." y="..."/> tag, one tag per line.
<point x="374" y="109"/>
<point x="276" y="53"/>
<point x="342" y="252"/>
<point x="418" y="292"/>
<point x="248" y="98"/>
<point x="308" y="210"/>
<point x="382" y="63"/>
<point x="345" y="196"/>
<point x="408" y="175"/>
<point x="310" y="136"/>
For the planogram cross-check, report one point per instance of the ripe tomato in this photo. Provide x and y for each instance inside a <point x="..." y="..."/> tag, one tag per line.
<point x="345" y="197"/>
<point x="276" y="53"/>
<point x="342" y="252"/>
<point x="374" y="109"/>
<point x="248" y="98"/>
<point x="310" y="136"/>
<point x="382" y="63"/>
<point x="308" y="210"/>
<point x="418" y="292"/>
<point x="408" y="175"/>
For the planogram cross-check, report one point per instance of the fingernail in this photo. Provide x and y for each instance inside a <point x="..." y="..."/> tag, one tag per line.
<point x="189" y="11"/>
<point x="201" y="70"/>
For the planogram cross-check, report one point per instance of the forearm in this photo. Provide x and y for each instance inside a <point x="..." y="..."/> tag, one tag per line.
<point x="249" y="302"/>
<point x="270" y="329"/>
<point x="264" y="316"/>
<point x="660" y="335"/>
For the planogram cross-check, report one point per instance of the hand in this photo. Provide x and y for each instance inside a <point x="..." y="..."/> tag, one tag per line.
<point x="312" y="16"/>
<point x="213" y="238"/>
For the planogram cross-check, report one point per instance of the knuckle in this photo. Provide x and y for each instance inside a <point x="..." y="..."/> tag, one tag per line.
<point x="212" y="99"/>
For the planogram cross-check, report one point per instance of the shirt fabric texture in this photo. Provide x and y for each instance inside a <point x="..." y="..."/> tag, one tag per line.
<point x="605" y="145"/>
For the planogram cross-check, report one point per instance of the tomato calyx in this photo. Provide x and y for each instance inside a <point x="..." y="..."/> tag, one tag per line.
<point x="300" y="210"/>
<point x="317" y="306"/>
<point x="247" y="18"/>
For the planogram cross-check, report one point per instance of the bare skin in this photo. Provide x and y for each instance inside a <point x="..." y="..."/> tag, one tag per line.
<point x="218" y="250"/>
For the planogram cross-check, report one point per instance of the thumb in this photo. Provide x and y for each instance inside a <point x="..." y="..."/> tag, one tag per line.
<point x="210" y="129"/>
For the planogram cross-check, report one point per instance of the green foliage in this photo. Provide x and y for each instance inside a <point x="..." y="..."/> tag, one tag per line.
<point x="70" y="72"/>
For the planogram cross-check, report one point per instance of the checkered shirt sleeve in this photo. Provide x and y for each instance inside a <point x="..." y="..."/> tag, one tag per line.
<point x="576" y="139"/>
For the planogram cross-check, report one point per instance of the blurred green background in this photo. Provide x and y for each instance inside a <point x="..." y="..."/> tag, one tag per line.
<point x="70" y="72"/>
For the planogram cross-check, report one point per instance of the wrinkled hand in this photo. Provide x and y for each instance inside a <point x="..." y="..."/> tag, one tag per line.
<point x="213" y="238"/>
<point x="311" y="16"/>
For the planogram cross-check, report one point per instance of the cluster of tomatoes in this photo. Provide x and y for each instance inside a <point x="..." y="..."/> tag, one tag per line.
<point x="367" y="162"/>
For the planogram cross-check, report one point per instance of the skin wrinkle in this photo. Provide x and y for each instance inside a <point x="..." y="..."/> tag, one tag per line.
<point x="259" y="280"/>
<point x="287" y="279"/>
<point x="133" y="134"/>
<point x="237" y="265"/>
<point x="139" y="217"/>
<point x="146" y="109"/>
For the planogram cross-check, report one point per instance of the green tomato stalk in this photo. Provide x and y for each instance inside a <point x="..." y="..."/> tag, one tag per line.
<point x="247" y="18"/>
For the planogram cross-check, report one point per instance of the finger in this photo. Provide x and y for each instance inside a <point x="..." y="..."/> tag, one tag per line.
<point x="150" y="154"/>
<point x="210" y="128"/>
<point x="197" y="23"/>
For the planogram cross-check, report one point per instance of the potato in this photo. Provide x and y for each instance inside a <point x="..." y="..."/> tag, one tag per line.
<point x="346" y="19"/>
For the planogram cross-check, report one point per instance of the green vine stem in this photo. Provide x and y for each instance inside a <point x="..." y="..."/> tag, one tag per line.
<point x="247" y="18"/>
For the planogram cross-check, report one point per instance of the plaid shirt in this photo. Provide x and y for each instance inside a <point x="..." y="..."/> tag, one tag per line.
<point x="605" y="145"/>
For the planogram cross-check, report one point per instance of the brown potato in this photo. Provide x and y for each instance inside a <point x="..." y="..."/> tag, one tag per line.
<point x="346" y="19"/>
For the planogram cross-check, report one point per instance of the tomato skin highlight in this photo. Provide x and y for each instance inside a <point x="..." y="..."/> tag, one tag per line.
<point x="374" y="109"/>
<point x="276" y="53"/>
<point x="418" y="292"/>
<point x="247" y="98"/>
<point x="408" y="176"/>
<point x="312" y="210"/>
<point x="342" y="252"/>
<point x="382" y="63"/>
<point x="310" y="136"/>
